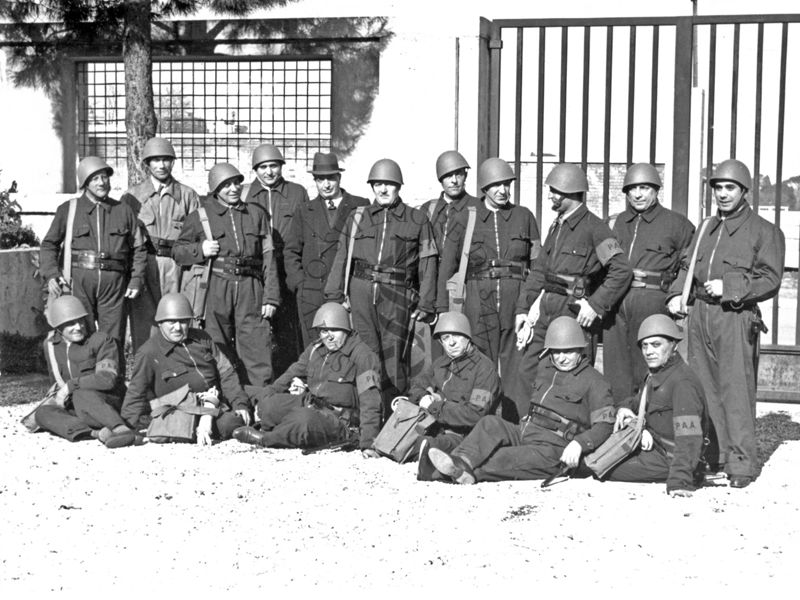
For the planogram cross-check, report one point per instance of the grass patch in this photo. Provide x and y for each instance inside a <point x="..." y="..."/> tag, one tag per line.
<point x="771" y="431"/>
<point x="21" y="389"/>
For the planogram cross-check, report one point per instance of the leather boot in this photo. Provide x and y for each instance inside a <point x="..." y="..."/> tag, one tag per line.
<point x="250" y="435"/>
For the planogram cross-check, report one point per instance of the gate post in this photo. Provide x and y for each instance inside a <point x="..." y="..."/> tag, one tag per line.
<point x="682" y="115"/>
<point x="489" y="48"/>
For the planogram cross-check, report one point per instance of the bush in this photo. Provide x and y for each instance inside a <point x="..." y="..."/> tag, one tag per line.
<point x="12" y="233"/>
<point x="21" y="354"/>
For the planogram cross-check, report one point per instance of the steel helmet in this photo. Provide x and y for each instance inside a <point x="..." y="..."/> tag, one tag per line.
<point x="641" y="173"/>
<point x="220" y="173"/>
<point x="453" y="322"/>
<point x="568" y="179"/>
<point x="174" y="307"/>
<point x="564" y="333"/>
<point x="732" y="170"/>
<point x="448" y="162"/>
<point x="157" y="147"/>
<point x="494" y="170"/>
<point x="265" y="153"/>
<point x="659" y="324"/>
<point x="89" y="166"/>
<point x="332" y="315"/>
<point x="65" y="309"/>
<point x="385" y="170"/>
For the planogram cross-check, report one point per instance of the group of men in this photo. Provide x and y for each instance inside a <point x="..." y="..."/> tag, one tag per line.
<point x="342" y="284"/>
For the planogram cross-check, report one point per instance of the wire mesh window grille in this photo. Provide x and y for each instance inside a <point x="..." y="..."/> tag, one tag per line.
<point x="212" y="111"/>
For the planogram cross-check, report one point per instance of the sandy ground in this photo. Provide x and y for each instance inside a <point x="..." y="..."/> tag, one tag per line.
<point x="135" y="522"/>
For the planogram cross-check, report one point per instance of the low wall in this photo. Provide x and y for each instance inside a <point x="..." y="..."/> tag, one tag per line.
<point x="21" y="303"/>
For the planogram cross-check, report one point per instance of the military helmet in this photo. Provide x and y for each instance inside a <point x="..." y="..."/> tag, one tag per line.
<point x="732" y="170"/>
<point x="564" y="333"/>
<point x="65" y="309"/>
<point x="173" y="307"/>
<point x="89" y="166"/>
<point x="220" y="173"/>
<point x="265" y="153"/>
<point x="453" y="322"/>
<point x="157" y="147"/>
<point x="385" y="170"/>
<point x="659" y="324"/>
<point x="568" y="179"/>
<point x="641" y="173"/>
<point x="448" y="162"/>
<point x="494" y="170"/>
<point x="332" y="315"/>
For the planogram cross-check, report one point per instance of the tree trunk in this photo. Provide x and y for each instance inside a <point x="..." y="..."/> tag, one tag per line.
<point x="137" y="54"/>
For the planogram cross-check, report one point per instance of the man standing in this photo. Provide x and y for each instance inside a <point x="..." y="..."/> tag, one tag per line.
<point x="392" y="274"/>
<point x="580" y="271"/>
<point x="281" y="199"/>
<point x="162" y="204"/>
<point x="653" y="239"/>
<point x="243" y="286"/>
<point x="739" y="263"/>
<point x="503" y="244"/>
<point x="107" y="251"/>
<point x="314" y="238"/>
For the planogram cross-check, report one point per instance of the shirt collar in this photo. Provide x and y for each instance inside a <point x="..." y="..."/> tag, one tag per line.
<point x="648" y="215"/>
<point x="106" y="204"/>
<point x="659" y="376"/>
<point x="734" y="220"/>
<point x="397" y="207"/>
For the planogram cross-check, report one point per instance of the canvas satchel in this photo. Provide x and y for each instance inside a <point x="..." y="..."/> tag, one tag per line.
<point x="406" y="425"/>
<point x="174" y="416"/>
<point x="29" y="420"/>
<point x="620" y="444"/>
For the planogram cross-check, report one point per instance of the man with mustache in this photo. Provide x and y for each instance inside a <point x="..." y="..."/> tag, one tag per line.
<point x="243" y="290"/>
<point x="162" y="203"/>
<point x="108" y="252"/>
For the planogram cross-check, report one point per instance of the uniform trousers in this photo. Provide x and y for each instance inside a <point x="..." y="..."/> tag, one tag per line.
<point x="289" y="424"/>
<point x="233" y="320"/>
<point x="102" y="293"/>
<point x="722" y="353"/>
<point x="287" y="336"/>
<point x="643" y="467"/>
<point x="142" y="309"/>
<point x="90" y="410"/>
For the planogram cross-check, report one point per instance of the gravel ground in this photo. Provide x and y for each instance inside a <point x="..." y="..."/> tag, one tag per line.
<point x="82" y="520"/>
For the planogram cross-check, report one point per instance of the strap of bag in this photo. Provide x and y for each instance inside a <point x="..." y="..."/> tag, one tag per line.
<point x="201" y="212"/>
<point x="687" y="284"/>
<point x="432" y="209"/>
<point x="51" y="358"/>
<point x="462" y="267"/>
<point x="66" y="271"/>
<point x="642" y="403"/>
<point x="359" y="212"/>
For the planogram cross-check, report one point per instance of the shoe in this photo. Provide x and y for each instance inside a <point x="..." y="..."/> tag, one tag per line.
<point x="425" y="468"/>
<point x="740" y="481"/>
<point x="452" y="466"/>
<point x="120" y="439"/>
<point x="249" y="435"/>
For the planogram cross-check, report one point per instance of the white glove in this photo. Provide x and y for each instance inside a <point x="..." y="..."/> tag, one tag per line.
<point x="204" y="431"/>
<point x="297" y="387"/>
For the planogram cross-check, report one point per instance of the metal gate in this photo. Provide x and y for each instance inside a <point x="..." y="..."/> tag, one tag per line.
<point x="683" y="93"/>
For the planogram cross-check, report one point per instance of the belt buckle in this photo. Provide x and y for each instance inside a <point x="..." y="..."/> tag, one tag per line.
<point x="237" y="271"/>
<point x="579" y="289"/>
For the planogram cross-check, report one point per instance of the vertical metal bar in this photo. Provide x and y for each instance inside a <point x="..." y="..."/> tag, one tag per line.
<point x="735" y="89"/>
<point x="69" y="74"/>
<point x="631" y="91"/>
<point x="757" y="145"/>
<point x="712" y="94"/>
<point x="562" y="134"/>
<point x="607" y="121"/>
<point x="654" y="95"/>
<point x="485" y="83"/>
<point x="540" y="124"/>
<point x="587" y="37"/>
<point x="518" y="121"/>
<point x="457" y="91"/>
<point x="779" y="161"/>
<point x="682" y="115"/>
<point x="495" y="47"/>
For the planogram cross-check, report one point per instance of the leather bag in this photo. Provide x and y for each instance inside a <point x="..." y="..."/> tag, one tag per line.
<point x="174" y="417"/>
<point x="402" y="430"/>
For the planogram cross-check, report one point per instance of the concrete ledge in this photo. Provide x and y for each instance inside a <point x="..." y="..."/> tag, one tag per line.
<point x="21" y="302"/>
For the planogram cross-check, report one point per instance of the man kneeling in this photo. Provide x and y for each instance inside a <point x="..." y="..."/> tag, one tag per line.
<point x="334" y="386"/>
<point x="571" y="414"/>
<point x="87" y="372"/>
<point x="672" y="441"/>
<point x="177" y="355"/>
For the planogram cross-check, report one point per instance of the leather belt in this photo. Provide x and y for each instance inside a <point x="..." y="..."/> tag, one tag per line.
<point x="499" y="269"/>
<point x="99" y="261"/>
<point x="161" y="247"/>
<point x="651" y="280"/>
<point x="378" y="274"/>
<point x="565" y="285"/>
<point x="242" y="266"/>
<point x="552" y="421"/>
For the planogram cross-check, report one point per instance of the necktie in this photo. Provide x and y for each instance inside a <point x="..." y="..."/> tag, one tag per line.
<point x="331" y="205"/>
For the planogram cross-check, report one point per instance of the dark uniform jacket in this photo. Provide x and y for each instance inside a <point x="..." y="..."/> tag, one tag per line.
<point x="674" y="415"/>
<point x="654" y="240"/>
<point x="582" y="247"/>
<point x="242" y="231"/>
<point x="743" y="250"/>
<point x="468" y="386"/>
<point x="109" y="226"/>
<point x="395" y="237"/>
<point x="280" y="202"/>
<point x="347" y="378"/>
<point x="442" y="214"/>
<point x="312" y="241"/>
<point x="509" y="235"/>
<point x="161" y="367"/>
<point x="88" y="365"/>
<point x="162" y="213"/>
<point x="582" y="395"/>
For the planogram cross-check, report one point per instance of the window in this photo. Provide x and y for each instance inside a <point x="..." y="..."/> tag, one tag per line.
<point x="212" y="111"/>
